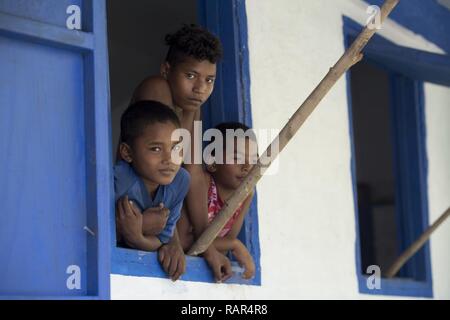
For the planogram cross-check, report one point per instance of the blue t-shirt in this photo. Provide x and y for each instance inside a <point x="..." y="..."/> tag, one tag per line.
<point x="127" y="182"/>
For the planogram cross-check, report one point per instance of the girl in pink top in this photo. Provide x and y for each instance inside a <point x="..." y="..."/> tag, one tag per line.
<point x="221" y="178"/>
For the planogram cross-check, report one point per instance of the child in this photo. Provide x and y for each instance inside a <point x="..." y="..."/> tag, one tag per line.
<point x="149" y="185"/>
<point x="221" y="178"/>
<point x="187" y="75"/>
<point x="185" y="83"/>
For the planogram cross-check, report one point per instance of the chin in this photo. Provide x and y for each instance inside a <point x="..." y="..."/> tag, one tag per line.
<point x="165" y="180"/>
<point x="191" y="107"/>
<point x="235" y="185"/>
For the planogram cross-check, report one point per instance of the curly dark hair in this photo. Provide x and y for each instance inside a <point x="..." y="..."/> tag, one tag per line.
<point x="194" y="41"/>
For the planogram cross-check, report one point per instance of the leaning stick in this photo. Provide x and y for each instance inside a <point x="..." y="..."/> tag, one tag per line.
<point x="413" y="248"/>
<point x="349" y="58"/>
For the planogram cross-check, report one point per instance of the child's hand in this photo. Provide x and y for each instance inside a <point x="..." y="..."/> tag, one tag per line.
<point x="245" y="260"/>
<point x="154" y="220"/>
<point x="219" y="263"/>
<point x="172" y="259"/>
<point x="129" y="221"/>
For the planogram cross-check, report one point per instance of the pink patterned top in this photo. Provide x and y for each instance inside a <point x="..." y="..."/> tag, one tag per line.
<point x="215" y="204"/>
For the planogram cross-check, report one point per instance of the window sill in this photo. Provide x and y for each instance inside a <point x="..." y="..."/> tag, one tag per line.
<point x="145" y="264"/>
<point x="398" y="287"/>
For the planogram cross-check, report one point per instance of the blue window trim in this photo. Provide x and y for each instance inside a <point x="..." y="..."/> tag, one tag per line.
<point x="230" y="101"/>
<point x="45" y="33"/>
<point x="100" y="189"/>
<point x="433" y="25"/>
<point x="92" y="43"/>
<point x="420" y="66"/>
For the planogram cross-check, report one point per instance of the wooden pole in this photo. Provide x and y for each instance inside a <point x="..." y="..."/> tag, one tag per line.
<point x="349" y="58"/>
<point x="412" y="249"/>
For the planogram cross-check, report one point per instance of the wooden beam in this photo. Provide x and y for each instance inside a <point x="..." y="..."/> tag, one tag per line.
<point x="351" y="56"/>
<point x="413" y="248"/>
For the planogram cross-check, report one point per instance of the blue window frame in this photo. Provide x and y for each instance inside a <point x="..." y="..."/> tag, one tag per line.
<point x="407" y="69"/>
<point x="54" y="86"/>
<point x="230" y="101"/>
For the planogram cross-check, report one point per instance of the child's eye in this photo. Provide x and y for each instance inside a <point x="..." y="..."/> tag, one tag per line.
<point x="176" y="147"/>
<point x="210" y="80"/>
<point x="155" y="149"/>
<point x="190" y="76"/>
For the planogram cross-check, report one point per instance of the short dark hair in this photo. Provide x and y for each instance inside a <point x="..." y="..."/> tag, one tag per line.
<point x="224" y="126"/>
<point x="193" y="41"/>
<point x="141" y="114"/>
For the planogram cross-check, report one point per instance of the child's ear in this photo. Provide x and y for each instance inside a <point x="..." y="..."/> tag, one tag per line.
<point x="165" y="69"/>
<point x="125" y="152"/>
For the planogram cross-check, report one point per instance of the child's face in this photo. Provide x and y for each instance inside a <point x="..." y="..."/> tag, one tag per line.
<point x="230" y="176"/>
<point x="151" y="154"/>
<point x="191" y="82"/>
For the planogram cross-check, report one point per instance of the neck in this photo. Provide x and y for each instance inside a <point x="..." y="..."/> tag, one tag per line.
<point x="151" y="187"/>
<point x="187" y="120"/>
<point x="224" y="193"/>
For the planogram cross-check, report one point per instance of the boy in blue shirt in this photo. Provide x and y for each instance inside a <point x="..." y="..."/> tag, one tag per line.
<point x="185" y="83"/>
<point x="149" y="183"/>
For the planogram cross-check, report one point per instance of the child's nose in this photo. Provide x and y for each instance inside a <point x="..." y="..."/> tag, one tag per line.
<point x="166" y="156"/>
<point x="200" y="86"/>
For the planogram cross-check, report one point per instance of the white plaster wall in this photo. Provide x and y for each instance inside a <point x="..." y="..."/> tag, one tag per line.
<point x="437" y="101"/>
<point x="306" y="211"/>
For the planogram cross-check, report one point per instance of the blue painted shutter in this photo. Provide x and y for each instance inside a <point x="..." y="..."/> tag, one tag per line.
<point x="55" y="176"/>
<point x="415" y="64"/>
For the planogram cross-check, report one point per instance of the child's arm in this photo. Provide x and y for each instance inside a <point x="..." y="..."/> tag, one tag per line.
<point x="130" y="227"/>
<point x="197" y="210"/>
<point x="197" y="196"/>
<point x="231" y="243"/>
<point x="154" y="220"/>
<point x="187" y="121"/>
<point x="197" y="199"/>
<point x="145" y="243"/>
<point x="171" y="257"/>
<point x="171" y="254"/>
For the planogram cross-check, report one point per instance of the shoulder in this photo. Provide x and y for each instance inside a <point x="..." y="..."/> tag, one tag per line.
<point x="179" y="186"/>
<point x="124" y="178"/>
<point x="157" y="82"/>
<point x="154" y="88"/>
<point x="200" y="176"/>
<point x="182" y="179"/>
<point x="122" y="170"/>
